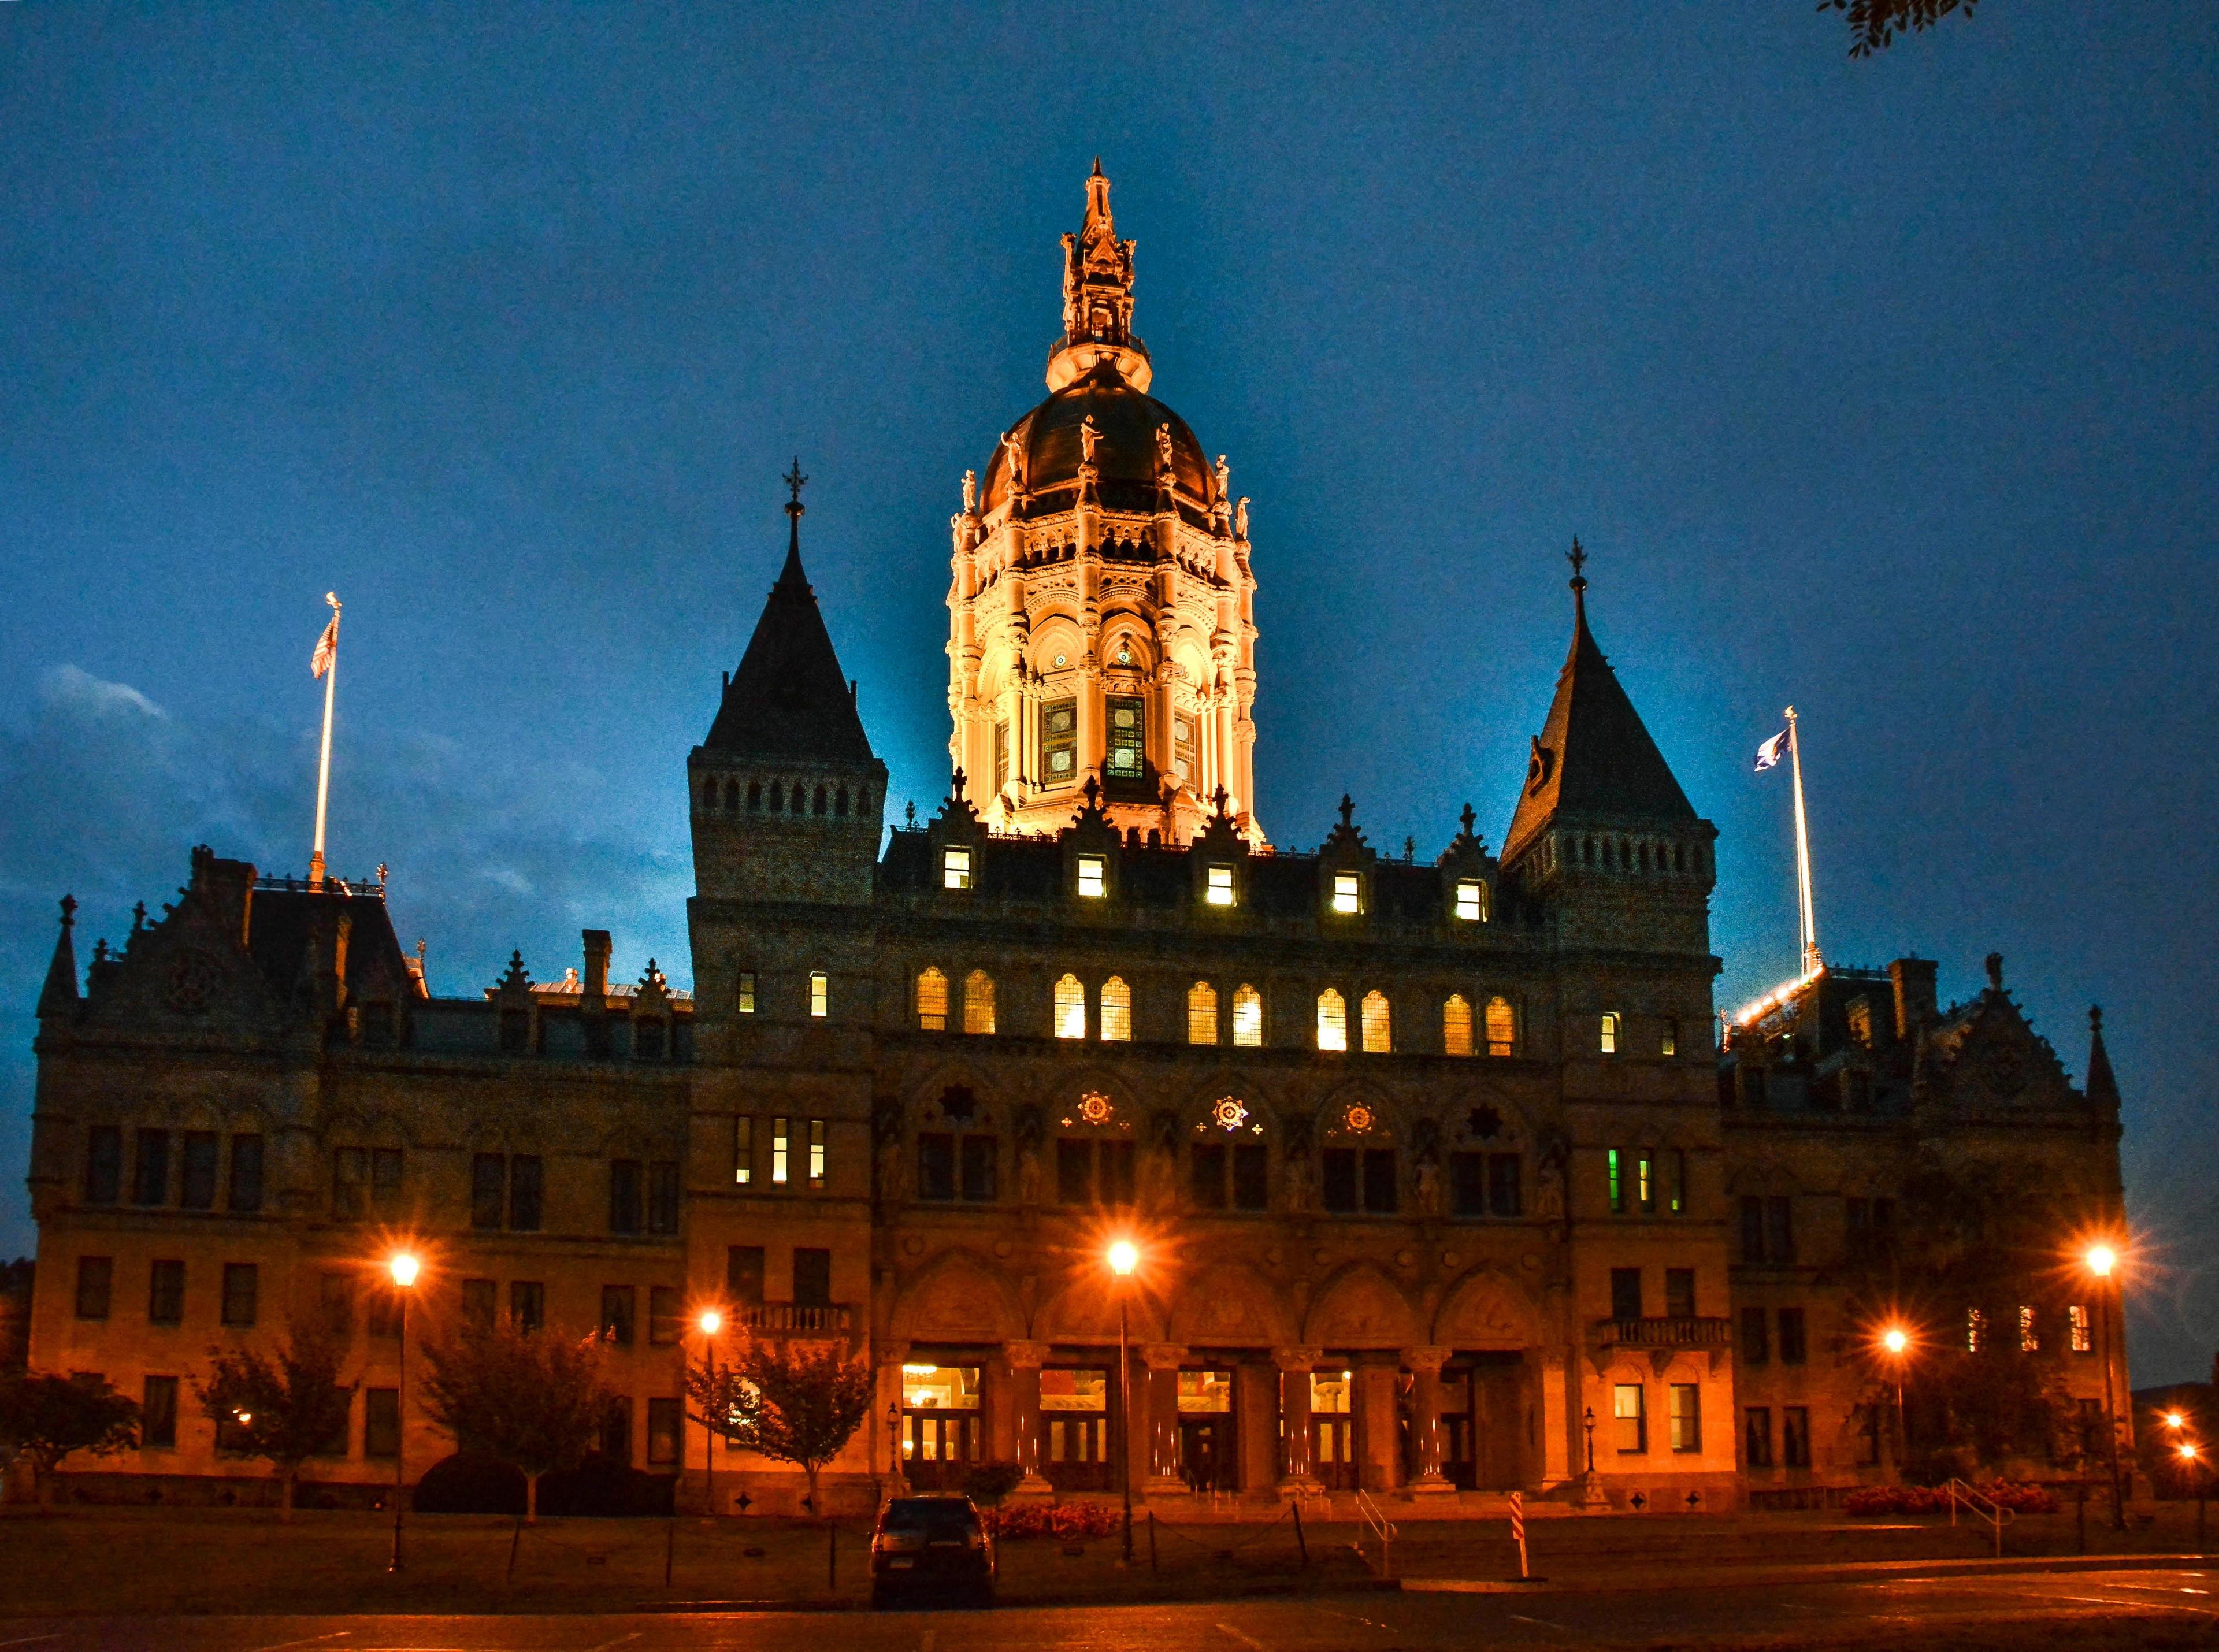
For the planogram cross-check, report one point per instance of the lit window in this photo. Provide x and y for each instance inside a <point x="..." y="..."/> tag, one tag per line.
<point x="817" y="1153"/>
<point x="1470" y="900"/>
<point x="932" y="1001"/>
<point x="744" y="1151"/>
<point x="1617" y="1185"/>
<point x="1093" y="876"/>
<point x="978" y="1002"/>
<point x="1347" y="892"/>
<point x="2029" y="1338"/>
<point x="1501" y="1027"/>
<point x="1456" y="1025"/>
<point x="1670" y="1043"/>
<point x="1377" y="1031"/>
<point x="1976" y="1330"/>
<point x="955" y="869"/>
<point x="1644" y="1184"/>
<point x="1676" y="1181"/>
<point x="820" y="993"/>
<point x="1218" y="890"/>
<point x="1201" y="1014"/>
<point x="2077" y="1317"/>
<point x="1332" y="1021"/>
<point x="781" y="1139"/>
<point x="1686" y="1417"/>
<point x="1632" y="1418"/>
<point x="1609" y="1042"/>
<point x="743" y="995"/>
<point x="1247" y="1018"/>
<point x="1069" y="1008"/>
<point x="1116" y="1011"/>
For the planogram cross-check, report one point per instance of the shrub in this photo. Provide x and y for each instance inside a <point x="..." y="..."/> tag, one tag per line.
<point x="990" y="1482"/>
<point x="471" y="1482"/>
<point x="1064" y="1522"/>
<point x="2019" y="1499"/>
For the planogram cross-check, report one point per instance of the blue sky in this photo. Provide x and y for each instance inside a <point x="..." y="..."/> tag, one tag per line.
<point x="1885" y="387"/>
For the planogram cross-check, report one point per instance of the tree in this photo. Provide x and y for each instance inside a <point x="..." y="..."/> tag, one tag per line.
<point x="52" y="1417"/>
<point x="1873" y="24"/>
<point x="530" y="1399"/>
<point x="797" y="1402"/>
<point x="287" y="1410"/>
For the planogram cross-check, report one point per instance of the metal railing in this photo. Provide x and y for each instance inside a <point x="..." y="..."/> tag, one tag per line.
<point x="1381" y="1527"/>
<point x="1980" y="1507"/>
<point x="1680" y="1332"/>
<point x="790" y="1316"/>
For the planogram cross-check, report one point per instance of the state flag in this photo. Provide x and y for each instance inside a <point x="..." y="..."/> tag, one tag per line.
<point x="1767" y="754"/>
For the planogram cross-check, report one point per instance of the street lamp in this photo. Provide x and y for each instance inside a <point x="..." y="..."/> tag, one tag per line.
<point x="1587" y="1422"/>
<point x="403" y="1268"/>
<point x="709" y="1322"/>
<point x="1124" y="1257"/>
<point x="1895" y="1344"/>
<point x="2191" y="1459"/>
<point x="2101" y="1260"/>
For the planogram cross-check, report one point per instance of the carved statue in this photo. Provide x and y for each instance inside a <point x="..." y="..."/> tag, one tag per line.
<point x="1240" y="520"/>
<point x="1028" y="1175"/>
<point x="1090" y="433"/>
<point x="1549" y="1189"/>
<point x="970" y="493"/>
<point x="1429" y="1187"/>
<point x="1014" y="452"/>
<point x="891" y="1162"/>
<point x="1294" y="1183"/>
<point x="1224" y="479"/>
<point x="1164" y="452"/>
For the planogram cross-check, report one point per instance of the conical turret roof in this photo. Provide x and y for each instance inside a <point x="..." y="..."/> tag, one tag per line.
<point x="1594" y="757"/>
<point x="789" y="698"/>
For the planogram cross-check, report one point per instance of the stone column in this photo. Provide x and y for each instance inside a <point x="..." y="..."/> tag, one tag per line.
<point x="1163" y="1362"/>
<point x="1256" y="1427"/>
<point x="1425" y="1367"/>
<point x="1294" y="1363"/>
<point x="1025" y="1359"/>
<point x="1376" y="1431"/>
<point x="1563" y="1438"/>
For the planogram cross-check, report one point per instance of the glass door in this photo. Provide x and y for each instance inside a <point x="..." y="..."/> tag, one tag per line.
<point x="941" y="1436"/>
<point x="1075" y="1421"/>
<point x="1333" y="1431"/>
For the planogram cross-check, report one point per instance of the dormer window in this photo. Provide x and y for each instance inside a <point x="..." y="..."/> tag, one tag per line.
<point x="1093" y="876"/>
<point x="1470" y="901"/>
<point x="1347" y="892"/>
<point x="955" y="869"/>
<point x="1217" y="888"/>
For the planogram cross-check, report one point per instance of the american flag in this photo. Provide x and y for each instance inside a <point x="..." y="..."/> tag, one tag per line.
<point x="328" y="646"/>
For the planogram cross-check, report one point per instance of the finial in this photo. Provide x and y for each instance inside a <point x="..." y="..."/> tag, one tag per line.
<point x="795" y="481"/>
<point x="1097" y="166"/>
<point x="1348" y="811"/>
<point x="2096" y="1020"/>
<point x="1409" y="850"/>
<point x="380" y="874"/>
<point x="1577" y="557"/>
<point x="909" y="814"/>
<point x="1219" y="799"/>
<point x="138" y="917"/>
<point x="957" y="791"/>
<point x="1995" y="962"/>
<point x="1467" y="818"/>
<point x="69" y="912"/>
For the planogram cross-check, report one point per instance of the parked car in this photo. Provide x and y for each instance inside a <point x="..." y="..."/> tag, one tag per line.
<point x="932" y="1545"/>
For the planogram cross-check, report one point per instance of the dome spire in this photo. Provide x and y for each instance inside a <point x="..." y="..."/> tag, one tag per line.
<point x="1098" y="297"/>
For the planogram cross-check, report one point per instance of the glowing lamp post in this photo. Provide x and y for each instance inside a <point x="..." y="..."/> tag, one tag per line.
<point x="708" y="1322"/>
<point x="403" y="1268"/>
<point x="2191" y="1462"/>
<point x="1895" y="1344"/>
<point x="1124" y="1257"/>
<point x="2101" y="1260"/>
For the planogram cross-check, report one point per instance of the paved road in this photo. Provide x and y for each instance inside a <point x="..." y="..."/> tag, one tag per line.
<point x="1355" y="1622"/>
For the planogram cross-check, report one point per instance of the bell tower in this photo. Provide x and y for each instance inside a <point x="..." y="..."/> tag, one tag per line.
<point x="1101" y="601"/>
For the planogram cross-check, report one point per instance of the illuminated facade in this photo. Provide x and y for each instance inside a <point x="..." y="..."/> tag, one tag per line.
<point x="1433" y="1177"/>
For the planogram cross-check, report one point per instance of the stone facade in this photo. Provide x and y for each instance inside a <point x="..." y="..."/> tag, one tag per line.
<point x="1440" y="1182"/>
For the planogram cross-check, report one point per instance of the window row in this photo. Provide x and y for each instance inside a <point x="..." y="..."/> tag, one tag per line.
<point x="1208" y="1016"/>
<point x="1794" y="1436"/>
<point x="1613" y="1035"/>
<point x="2032" y="1326"/>
<point x="810" y="1283"/>
<point x="188" y="1168"/>
<point x="379" y="1436"/>
<point x="238" y="1303"/>
<point x="1757" y="1345"/>
<point x="818" y="1001"/>
<point x="794" y="1152"/>
<point x="1629" y="1417"/>
<point x="1629" y="1302"/>
<point x="724" y="795"/>
<point x="1645" y="1181"/>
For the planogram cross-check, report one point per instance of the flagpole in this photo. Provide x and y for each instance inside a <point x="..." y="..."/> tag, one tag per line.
<point x="1810" y="935"/>
<point x="324" y="762"/>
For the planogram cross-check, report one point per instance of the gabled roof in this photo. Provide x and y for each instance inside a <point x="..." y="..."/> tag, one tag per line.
<point x="788" y="698"/>
<point x="1594" y="757"/>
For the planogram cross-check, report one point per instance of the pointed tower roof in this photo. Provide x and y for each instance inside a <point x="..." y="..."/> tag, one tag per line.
<point x="1098" y="297"/>
<point x="1594" y="757"/>
<point x="788" y="698"/>
<point x="2101" y="1088"/>
<point x="59" y="995"/>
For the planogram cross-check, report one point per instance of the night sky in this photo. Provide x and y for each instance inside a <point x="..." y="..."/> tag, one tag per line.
<point x="1887" y="387"/>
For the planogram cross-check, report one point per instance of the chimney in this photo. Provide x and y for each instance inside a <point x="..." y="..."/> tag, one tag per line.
<point x="597" y="964"/>
<point x="1915" y="1002"/>
<point x="228" y="887"/>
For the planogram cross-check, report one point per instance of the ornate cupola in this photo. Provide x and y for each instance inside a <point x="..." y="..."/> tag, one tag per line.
<point x="1101" y="608"/>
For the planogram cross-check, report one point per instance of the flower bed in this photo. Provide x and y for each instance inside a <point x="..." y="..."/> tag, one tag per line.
<point x="2018" y="1498"/>
<point x="1066" y="1522"/>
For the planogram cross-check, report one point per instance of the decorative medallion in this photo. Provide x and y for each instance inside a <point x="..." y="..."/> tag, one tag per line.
<point x="1228" y="1114"/>
<point x="1095" y="1107"/>
<point x="1359" y="1118"/>
<point x="193" y="977"/>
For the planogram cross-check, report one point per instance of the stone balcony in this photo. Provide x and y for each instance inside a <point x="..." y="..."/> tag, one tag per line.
<point x="790" y="1318"/>
<point x="1661" y="1339"/>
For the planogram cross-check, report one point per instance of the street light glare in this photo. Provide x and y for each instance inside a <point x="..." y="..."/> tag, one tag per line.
<point x="1124" y="1257"/>
<point x="1895" y="1339"/>
<point x="403" y="1267"/>
<point x="2188" y="1453"/>
<point x="711" y="1322"/>
<point x="2101" y="1260"/>
<point x="2174" y="1420"/>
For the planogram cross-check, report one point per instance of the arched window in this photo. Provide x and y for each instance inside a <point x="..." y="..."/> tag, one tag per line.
<point x="732" y="797"/>
<point x="1069" y="1008"/>
<point x="1201" y="1014"/>
<point x="978" y="1002"/>
<point x="932" y="1001"/>
<point x="1116" y="1011"/>
<point x="1332" y="1021"/>
<point x="1501" y="1027"/>
<point x="754" y="794"/>
<point x="840" y="801"/>
<point x="820" y="801"/>
<point x="1456" y="1025"/>
<point x="777" y="797"/>
<point x="1379" y="1030"/>
<point x="1247" y="1017"/>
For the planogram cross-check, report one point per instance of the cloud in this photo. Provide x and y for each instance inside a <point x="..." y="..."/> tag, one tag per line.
<point x="73" y="687"/>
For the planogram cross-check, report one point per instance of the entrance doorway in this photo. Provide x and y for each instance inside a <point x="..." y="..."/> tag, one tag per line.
<point x="1075" y="1419"/>
<point x="941" y="1438"/>
<point x="1332" y="1429"/>
<point x="1206" y="1456"/>
<point x="1492" y="1446"/>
